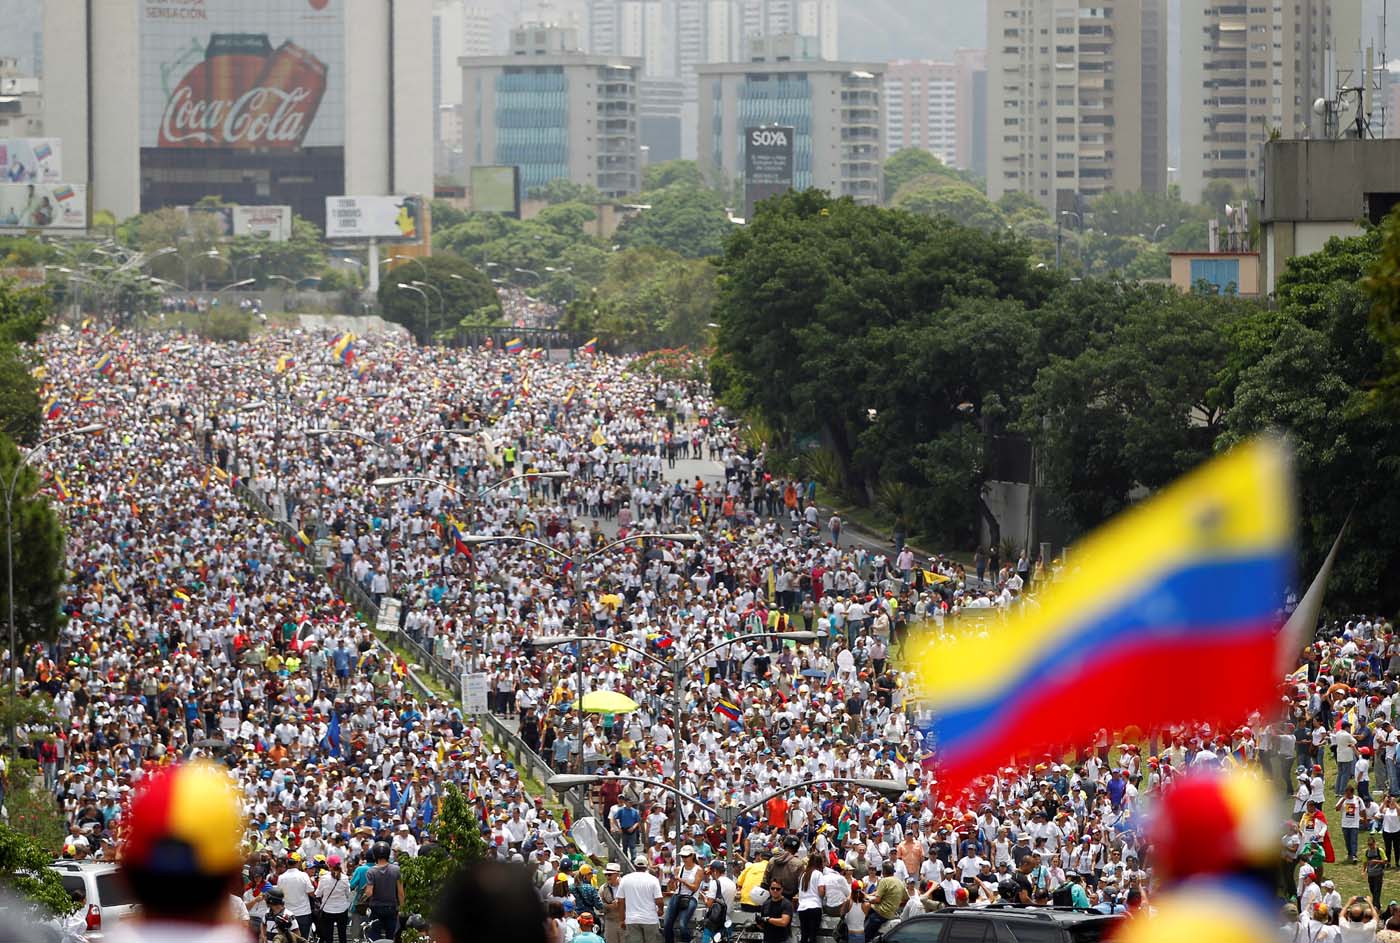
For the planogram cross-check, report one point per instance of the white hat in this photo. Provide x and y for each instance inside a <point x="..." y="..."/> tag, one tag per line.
<point x="687" y="850"/>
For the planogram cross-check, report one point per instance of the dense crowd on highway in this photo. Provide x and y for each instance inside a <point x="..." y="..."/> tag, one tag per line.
<point x="197" y="625"/>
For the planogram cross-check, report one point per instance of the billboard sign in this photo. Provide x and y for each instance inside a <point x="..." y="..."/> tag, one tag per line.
<point x="30" y="276"/>
<point x="768" y="164"/>
<point x="273" y="223"/>
<point x="30" y="160"/>
<point x="242" y="90"/>
<point x="496" y="190"/>
<point x="43" y="206"/>
<point x="396" y="218"/>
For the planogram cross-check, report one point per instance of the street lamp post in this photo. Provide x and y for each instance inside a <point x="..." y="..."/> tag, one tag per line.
<point x="10" y="486"/>
<point x="887" y="788"/>
<point x="442" y="303"/>
<point x="677" y="669"/>
<point x="427" y="311"/>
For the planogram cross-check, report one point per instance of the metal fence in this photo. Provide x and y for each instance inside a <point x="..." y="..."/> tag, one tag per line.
<point x="511" y="745"/>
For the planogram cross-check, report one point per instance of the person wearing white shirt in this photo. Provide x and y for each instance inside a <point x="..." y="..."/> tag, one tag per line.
<point x="296" y="888"/>
<point x="333" y="891"/>
<point x="641" y="899"/>
<point x="809" y="900"/>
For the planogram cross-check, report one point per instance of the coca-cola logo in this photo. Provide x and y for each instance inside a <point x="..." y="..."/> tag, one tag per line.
<point x="260" y="117"/>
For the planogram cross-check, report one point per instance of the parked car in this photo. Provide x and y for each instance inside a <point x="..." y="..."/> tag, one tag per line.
<point x="102" y="896"/>
<point x="1003" y="923"/>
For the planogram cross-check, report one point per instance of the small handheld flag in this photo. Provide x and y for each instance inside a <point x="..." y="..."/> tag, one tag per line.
<point x="53" y="408"/>
<point x="728" y="709"/>
<point x="590" y="346"/>
<point x="104" y="365"/>
<point x="515" y="345"/>
<point x="61" y="487"/>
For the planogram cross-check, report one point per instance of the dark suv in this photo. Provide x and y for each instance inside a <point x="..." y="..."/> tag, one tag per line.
<point x="1003" y="924"/>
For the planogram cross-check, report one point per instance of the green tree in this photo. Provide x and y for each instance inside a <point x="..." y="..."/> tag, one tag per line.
<point x="829" y="311"/>
<point x="670" y="173"/>
<point x="563" y="190"/>
<point x="1383" y="285"/>
<point x="456" y="843"/>
<point x="692" y="223"/>
<point x="934" y="195"/>
<point x="455" y="290"/>
<point x="909" y="164"/>
<point x="24" y="870"/>
<point x="445" y="215"/>
<point x="38" y="551"/>
<point x="1137" y="405"/>
<point x="1152" y="216"/>
<point x="654" y="295"/>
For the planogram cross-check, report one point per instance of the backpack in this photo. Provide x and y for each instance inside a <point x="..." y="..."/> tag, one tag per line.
<point x="717" y="914"/>
<point x="1063" y="896"/>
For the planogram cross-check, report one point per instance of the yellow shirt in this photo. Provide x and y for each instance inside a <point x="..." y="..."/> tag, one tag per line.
<point x="750" y="880"/>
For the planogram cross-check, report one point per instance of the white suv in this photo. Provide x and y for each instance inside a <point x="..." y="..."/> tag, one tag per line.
<point x="102" y="896"/>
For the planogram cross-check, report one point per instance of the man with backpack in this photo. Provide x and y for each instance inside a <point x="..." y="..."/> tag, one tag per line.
<point x="717" y="897"/>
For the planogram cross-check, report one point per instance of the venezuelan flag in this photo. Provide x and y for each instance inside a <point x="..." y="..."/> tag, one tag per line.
<point x="459" y="539"/>
<point x="104" y="365"/>
<point x="342" y="347"/>
<point x="53" y="408"/>
<point x="515" y="345"/>
<point x="285" y="363"/>
<point x="728" y="709"/>
<point x="300" y="540"/>
<point x="61" y="487"/>
<point x="1187" y="585"/>
<point x="590" y="346"/>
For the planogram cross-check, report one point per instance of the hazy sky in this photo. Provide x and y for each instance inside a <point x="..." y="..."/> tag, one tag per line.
<point x="880" y="30"/>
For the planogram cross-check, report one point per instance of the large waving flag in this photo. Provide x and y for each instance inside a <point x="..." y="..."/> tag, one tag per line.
<point x="515" y="345"/>
<point x="1169" y="615"/>
<point x="331" y="741"/>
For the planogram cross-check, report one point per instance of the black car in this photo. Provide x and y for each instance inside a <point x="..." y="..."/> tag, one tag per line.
<point x="1003" y="924"/>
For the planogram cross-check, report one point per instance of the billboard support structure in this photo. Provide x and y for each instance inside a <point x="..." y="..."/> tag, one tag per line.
<point x="374" y="267"/>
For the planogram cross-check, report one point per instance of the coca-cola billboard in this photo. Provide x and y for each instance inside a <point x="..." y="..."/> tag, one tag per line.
<point x="243" y="74"/>
<point x="243" y="99"/>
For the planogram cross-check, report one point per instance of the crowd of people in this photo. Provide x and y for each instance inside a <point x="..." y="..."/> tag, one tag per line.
<point x="197" y="627"/>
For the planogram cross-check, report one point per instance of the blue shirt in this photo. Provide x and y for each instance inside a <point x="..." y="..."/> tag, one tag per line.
<point x="627" y="817"/>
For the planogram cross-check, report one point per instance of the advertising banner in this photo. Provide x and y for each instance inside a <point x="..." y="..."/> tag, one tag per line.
<point x="244" y="99"/>
<point x="43" y="206"/>
<point x="30" y="160"/>
<point x="273" y="223"/>
<point x="496" y="190"/>
<point x="250" y="74"/>
<point x="767" y="164"/>
<point x="396" y="218"/>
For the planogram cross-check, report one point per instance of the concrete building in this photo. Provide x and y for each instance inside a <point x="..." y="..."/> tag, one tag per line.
<point x="836" y="109"/>
<point x="1228" y="272"/>
<point x="555" y="112"/>
<point x="253" y="102"/>
<point x="21" y="102"/>
<point x="1311" y="191"/>
<point x="1252" y="71"/>
<point x="936" y="106"/>
<point x="817" y="18"/>
<point x="1076" y="98"/>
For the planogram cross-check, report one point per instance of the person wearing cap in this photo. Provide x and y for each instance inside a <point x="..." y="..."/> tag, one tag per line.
<point x="278" y="926"/>
<point x="334" y="894"/>
<point x="612" y="903"/>
<point x="586" y="930"/>
<point x="718" y="889"/>
<point x="680" y="908"/>
<point x="643" y="903"/>
<point x="298" y="887"/>
<point x="181" y="859"/>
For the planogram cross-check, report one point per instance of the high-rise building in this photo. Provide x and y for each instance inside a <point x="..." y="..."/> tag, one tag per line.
<point x="835" y="108"/>
<point x="932" y="105"/>
<point x="555" y="112"/>
<point x="1067" y="101"/>
<point x="1251" y="72"/>
<point x="255" y="101"/>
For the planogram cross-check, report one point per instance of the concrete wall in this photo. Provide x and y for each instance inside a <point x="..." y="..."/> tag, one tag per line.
<point x="1326" y="180"/>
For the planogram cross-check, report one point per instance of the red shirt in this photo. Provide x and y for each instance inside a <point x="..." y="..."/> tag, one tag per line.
<point x="777" y="812"/>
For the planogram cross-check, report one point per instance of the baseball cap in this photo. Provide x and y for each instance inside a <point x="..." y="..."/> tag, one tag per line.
<point x="185" y="820"/>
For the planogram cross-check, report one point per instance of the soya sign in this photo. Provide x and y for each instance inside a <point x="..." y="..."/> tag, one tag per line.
<point x="262" y="75"/>
<point x="768" y="164"/>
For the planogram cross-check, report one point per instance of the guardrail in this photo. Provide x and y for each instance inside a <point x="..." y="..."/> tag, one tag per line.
<point x="509" y="742"/>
